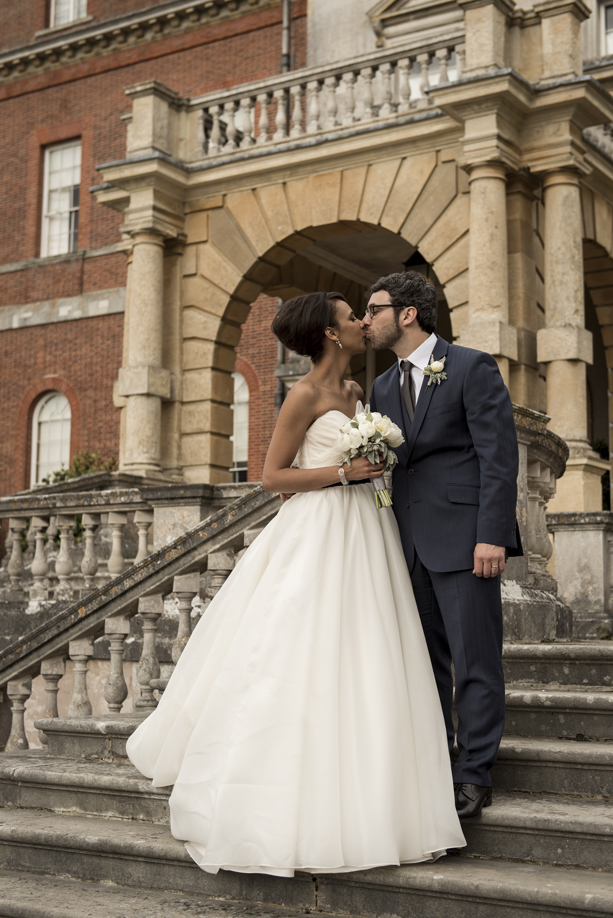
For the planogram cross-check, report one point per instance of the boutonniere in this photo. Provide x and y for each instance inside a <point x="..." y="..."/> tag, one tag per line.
<point x="436" y="371"/>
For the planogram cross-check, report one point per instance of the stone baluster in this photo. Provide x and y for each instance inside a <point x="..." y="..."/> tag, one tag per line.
<point x="541" y="486"/>
<point x="64" y="565"/>
<point x="231" y="131"/>
<point x="28" y="555"/>
<point x="313" y="107"/>
<point x="80" y="652"/>
<point x="150" y="608"/>
<point x="296" y="106"/>
<point x="215" y="135"/>
<point x="246" y="116"/>
<point x="349" y="84"/>
<point x="185" y="587"/>
<point x="201" y="131"/>
<point x="52" y="671"/>
<point x="386" y="108"/>
<point x="424" y="63"/>
<point x="18" y="691"/>
<point x="264" y="121"/>
<point x="143" y="520"/>
<point x="281" y="116"/>
<point x="116" y="562"/>
<point x="460" y="54"/>
<point x="40" y="565"/>
<point x="89" y="564"/>
<point x="220" y="565"/>
<point x="331" y="84"/>
<point x="442" y="55"/>
<point x="52" y="551"/>
<point x="367" y="95"/>
<point x="15" y="565"/>
<point x="116" y="690"/>
<point x="404" y="86"/>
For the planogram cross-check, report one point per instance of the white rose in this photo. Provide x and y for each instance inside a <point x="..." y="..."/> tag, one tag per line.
<point x="360" y="418"/>
<point x="367" y="429"/>
<point x="437" y="366"/>
<point x="344" y="443"/>
<point x="376" y="416"/>
<point x="383" y="425"/>
<point x="355" y="438"/>
<point x="395" y="437"/>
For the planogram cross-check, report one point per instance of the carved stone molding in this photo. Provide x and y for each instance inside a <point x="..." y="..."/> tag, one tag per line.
<point x="97" y="39"/>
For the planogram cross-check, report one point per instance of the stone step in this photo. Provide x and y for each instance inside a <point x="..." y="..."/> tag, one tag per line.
<point x="27" y="895"/>
<point x="34" y="780"/>
<point x="589" y="663"/>
<point x="147" y="857"/>
<point x="563" y="712"/>
<point x="101" y="736"/>
<point x="551" y="766"/>
<point x="560" y="831"/>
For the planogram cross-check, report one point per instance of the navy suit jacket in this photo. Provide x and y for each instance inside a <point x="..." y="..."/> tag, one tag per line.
<point x="456" y="479"/>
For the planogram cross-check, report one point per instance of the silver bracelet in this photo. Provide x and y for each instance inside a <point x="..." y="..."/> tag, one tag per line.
<point x="341" y="475"/>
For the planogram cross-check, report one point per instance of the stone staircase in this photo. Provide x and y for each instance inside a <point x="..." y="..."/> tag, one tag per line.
<point x="78" y="817"/>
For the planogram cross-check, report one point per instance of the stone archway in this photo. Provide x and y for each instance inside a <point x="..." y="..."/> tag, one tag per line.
<point x="241" y="244"/>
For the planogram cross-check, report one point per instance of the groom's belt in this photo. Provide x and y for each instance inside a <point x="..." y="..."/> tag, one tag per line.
<point x="339" y="484"/>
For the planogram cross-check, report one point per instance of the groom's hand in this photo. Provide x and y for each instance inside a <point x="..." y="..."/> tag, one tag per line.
<point x="489" y="560"/>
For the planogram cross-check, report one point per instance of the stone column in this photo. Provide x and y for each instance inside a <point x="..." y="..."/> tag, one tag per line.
<point x="524" y="384"/>
<point x="565" y="345"/>
<point x="488" y="294"/>
<point x="143" y="382"/>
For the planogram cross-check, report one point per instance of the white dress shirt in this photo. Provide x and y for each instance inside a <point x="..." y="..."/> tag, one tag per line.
<point x="420" y="358"/>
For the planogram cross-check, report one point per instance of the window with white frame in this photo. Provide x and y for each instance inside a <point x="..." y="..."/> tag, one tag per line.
<point x="61" y="198"/>
<point x="607" y="28"/>
<point x="240" y="436"/>
<point x="50" y="436"/>
<point x="65" y="11"/>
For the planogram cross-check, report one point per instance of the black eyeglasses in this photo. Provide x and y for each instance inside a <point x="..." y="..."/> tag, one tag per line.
<point x="371" y="310"/>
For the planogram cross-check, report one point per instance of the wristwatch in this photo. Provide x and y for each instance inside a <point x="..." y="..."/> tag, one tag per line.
<point x="341" y="475"/>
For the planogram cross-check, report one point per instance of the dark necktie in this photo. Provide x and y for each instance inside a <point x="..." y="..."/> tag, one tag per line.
<point x="407" y="390"/>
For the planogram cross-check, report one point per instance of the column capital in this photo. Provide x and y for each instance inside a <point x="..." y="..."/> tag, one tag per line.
<point x="491" y="169"/>
<point x="562" y="176"/>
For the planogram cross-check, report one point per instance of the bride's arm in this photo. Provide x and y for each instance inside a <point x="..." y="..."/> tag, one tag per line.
<point x="297" y="412"/>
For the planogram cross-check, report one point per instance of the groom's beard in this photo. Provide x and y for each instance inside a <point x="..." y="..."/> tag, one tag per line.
<point x="383" y="339"/>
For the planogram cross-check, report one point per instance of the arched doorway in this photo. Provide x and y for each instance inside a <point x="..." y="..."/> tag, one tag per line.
<point x="336" y="231"/>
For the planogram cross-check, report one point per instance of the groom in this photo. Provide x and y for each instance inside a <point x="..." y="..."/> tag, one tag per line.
<point x="454" y="498"/>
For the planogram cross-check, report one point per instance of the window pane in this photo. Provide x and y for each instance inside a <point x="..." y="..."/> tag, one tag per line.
<point x="608" y="17"/>
<point x="62" y="199"/>
<point x="51" y="435"/>
<point x="240" y="435"/>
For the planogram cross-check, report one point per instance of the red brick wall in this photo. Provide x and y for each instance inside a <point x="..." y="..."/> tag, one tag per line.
<point x="256" y="360"/>
<point x="86" y="354"/>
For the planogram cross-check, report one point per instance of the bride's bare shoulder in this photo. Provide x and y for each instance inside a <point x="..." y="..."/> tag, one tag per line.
<point x="356" y="389"/>
<point x="302" y="398"/>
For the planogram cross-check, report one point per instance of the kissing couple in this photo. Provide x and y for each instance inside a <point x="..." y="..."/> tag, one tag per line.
<point x="308" y="723"/>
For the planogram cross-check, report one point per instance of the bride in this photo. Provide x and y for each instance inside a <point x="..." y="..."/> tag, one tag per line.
<point x="302" y="728"/>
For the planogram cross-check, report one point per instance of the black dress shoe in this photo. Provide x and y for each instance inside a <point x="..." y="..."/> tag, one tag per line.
<point x="470" y="800"/>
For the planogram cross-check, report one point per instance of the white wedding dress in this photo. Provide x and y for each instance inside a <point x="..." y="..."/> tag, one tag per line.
<point x="302" y="728"/>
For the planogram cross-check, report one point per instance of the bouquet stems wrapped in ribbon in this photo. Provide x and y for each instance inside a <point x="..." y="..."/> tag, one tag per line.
<point x="372" y="435"/>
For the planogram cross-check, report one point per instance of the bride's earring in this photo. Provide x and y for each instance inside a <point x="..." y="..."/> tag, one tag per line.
<point x="339" y="344"/>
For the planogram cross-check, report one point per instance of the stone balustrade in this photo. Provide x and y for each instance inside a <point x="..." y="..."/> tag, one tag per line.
<point x="315" y="100"/>
<point x="62" y="546"/>
<point x="531" y="607"/>
<point x="191" y="592"/>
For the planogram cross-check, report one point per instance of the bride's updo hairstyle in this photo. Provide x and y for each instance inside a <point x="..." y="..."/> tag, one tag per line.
<point x="301" y="323"/>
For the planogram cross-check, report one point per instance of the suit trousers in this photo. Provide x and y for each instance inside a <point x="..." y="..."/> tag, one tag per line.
<point x="461" y="615"/>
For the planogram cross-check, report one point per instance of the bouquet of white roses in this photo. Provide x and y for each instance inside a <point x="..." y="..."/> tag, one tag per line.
<point x="372" y="435"/>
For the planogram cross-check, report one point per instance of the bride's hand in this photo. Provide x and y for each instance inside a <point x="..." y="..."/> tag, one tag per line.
<point x="361" y="468"/>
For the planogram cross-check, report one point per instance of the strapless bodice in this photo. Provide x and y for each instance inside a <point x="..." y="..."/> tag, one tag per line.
<point x="318" y="448"/>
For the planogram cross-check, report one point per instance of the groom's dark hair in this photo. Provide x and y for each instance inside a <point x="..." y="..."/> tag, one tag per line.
<point x="412" y="289"/>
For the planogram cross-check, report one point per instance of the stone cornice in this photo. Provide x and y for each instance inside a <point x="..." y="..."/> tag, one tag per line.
<point x="97" y="39"/>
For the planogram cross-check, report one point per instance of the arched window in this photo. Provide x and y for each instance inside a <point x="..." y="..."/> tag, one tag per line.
<point x="240" y="436"/>
<point x="50" y="436"/>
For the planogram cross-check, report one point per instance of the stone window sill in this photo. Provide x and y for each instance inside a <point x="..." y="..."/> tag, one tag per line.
<point x="53" y="30"/>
